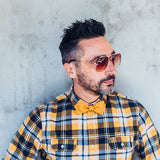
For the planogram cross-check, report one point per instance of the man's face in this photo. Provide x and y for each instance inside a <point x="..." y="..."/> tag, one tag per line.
<point x="87" y="78"/>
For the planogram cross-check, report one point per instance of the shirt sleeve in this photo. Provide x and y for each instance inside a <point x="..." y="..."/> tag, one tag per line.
<point x="27" y="140"/>
<point x="149" y="145"/>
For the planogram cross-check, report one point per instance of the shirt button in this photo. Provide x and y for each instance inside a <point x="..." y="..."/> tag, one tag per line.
<point x="122" y="144"/>
<point x="62" y="146"/>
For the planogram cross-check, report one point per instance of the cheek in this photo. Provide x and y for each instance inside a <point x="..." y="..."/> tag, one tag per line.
<point x="90" y="73"/>
<point x="82" y="70"/>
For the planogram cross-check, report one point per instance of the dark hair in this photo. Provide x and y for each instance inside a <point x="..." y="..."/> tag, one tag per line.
<point x="76" y="32"/>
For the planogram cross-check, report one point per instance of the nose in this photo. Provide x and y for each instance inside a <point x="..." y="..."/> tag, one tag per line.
<point x="110" y="69"/>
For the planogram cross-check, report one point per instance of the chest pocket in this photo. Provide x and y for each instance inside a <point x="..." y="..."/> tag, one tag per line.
<point x="121" y="142"/>
<point x="64" y="144"/>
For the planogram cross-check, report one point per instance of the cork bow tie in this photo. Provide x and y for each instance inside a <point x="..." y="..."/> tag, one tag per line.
<point x="98" y="108"/>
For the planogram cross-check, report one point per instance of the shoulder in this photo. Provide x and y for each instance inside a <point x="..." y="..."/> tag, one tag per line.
<point x="119" y="96"/>
<point x="49" y="109"/>
<point x="54" y="105"/>
<point x="125" y="101"/>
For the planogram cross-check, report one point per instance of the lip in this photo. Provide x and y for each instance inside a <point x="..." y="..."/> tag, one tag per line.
<point x="109" y="82"/>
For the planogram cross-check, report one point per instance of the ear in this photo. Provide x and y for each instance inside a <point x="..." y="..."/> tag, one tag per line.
<point x="70" y="70"/>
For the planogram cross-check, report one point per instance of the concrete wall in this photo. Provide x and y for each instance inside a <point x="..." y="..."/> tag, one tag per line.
<point x="30" y="62"/>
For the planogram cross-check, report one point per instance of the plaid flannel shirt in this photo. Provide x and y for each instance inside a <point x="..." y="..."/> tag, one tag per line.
<point x="61" y="133"/>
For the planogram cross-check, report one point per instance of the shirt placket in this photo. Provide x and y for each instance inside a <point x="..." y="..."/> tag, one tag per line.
<point x="92" y="141"/>
<point x="85" y="153"/>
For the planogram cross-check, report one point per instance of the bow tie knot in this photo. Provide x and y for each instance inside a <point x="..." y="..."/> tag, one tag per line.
<point x="91" y="108"/>
<point x="82" y="107"/>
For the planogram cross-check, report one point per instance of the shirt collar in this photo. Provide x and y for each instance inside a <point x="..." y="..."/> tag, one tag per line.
<point x="74" y="98"/>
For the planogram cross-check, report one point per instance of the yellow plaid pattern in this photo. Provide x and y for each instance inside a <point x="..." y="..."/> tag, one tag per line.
<point x="59" y="131"/>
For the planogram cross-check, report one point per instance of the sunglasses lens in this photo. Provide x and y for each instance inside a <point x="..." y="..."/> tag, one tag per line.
<point x="102" y="64"/>
<point x="116" y="59"/>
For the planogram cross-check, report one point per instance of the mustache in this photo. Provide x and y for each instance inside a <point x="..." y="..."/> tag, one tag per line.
<point x="108" y="78"/>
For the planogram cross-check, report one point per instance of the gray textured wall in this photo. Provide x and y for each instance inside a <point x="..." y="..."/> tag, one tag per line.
<point x="30" y="62"/>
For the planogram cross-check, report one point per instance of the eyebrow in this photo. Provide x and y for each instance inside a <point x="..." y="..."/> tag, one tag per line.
<point x="94" y="58"/>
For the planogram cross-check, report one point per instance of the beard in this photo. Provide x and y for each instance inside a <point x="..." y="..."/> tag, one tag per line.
<point x="95" y="88"/>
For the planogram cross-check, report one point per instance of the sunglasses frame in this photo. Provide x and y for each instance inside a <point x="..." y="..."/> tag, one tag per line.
<point x="101" y="59"/>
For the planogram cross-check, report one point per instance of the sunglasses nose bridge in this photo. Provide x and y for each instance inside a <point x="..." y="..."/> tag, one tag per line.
<point x="110" y="58"/>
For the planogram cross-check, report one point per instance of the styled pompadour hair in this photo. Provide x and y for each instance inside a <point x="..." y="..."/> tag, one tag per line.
<point x="76" y="32"/>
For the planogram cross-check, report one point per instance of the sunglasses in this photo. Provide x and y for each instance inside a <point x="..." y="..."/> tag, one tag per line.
<point x="101" y="62"/>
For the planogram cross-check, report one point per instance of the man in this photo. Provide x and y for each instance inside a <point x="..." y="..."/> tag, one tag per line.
<point x="90" y="121"/>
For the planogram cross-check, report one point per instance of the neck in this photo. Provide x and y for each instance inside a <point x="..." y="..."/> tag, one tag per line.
<point x="85" y="95"/>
